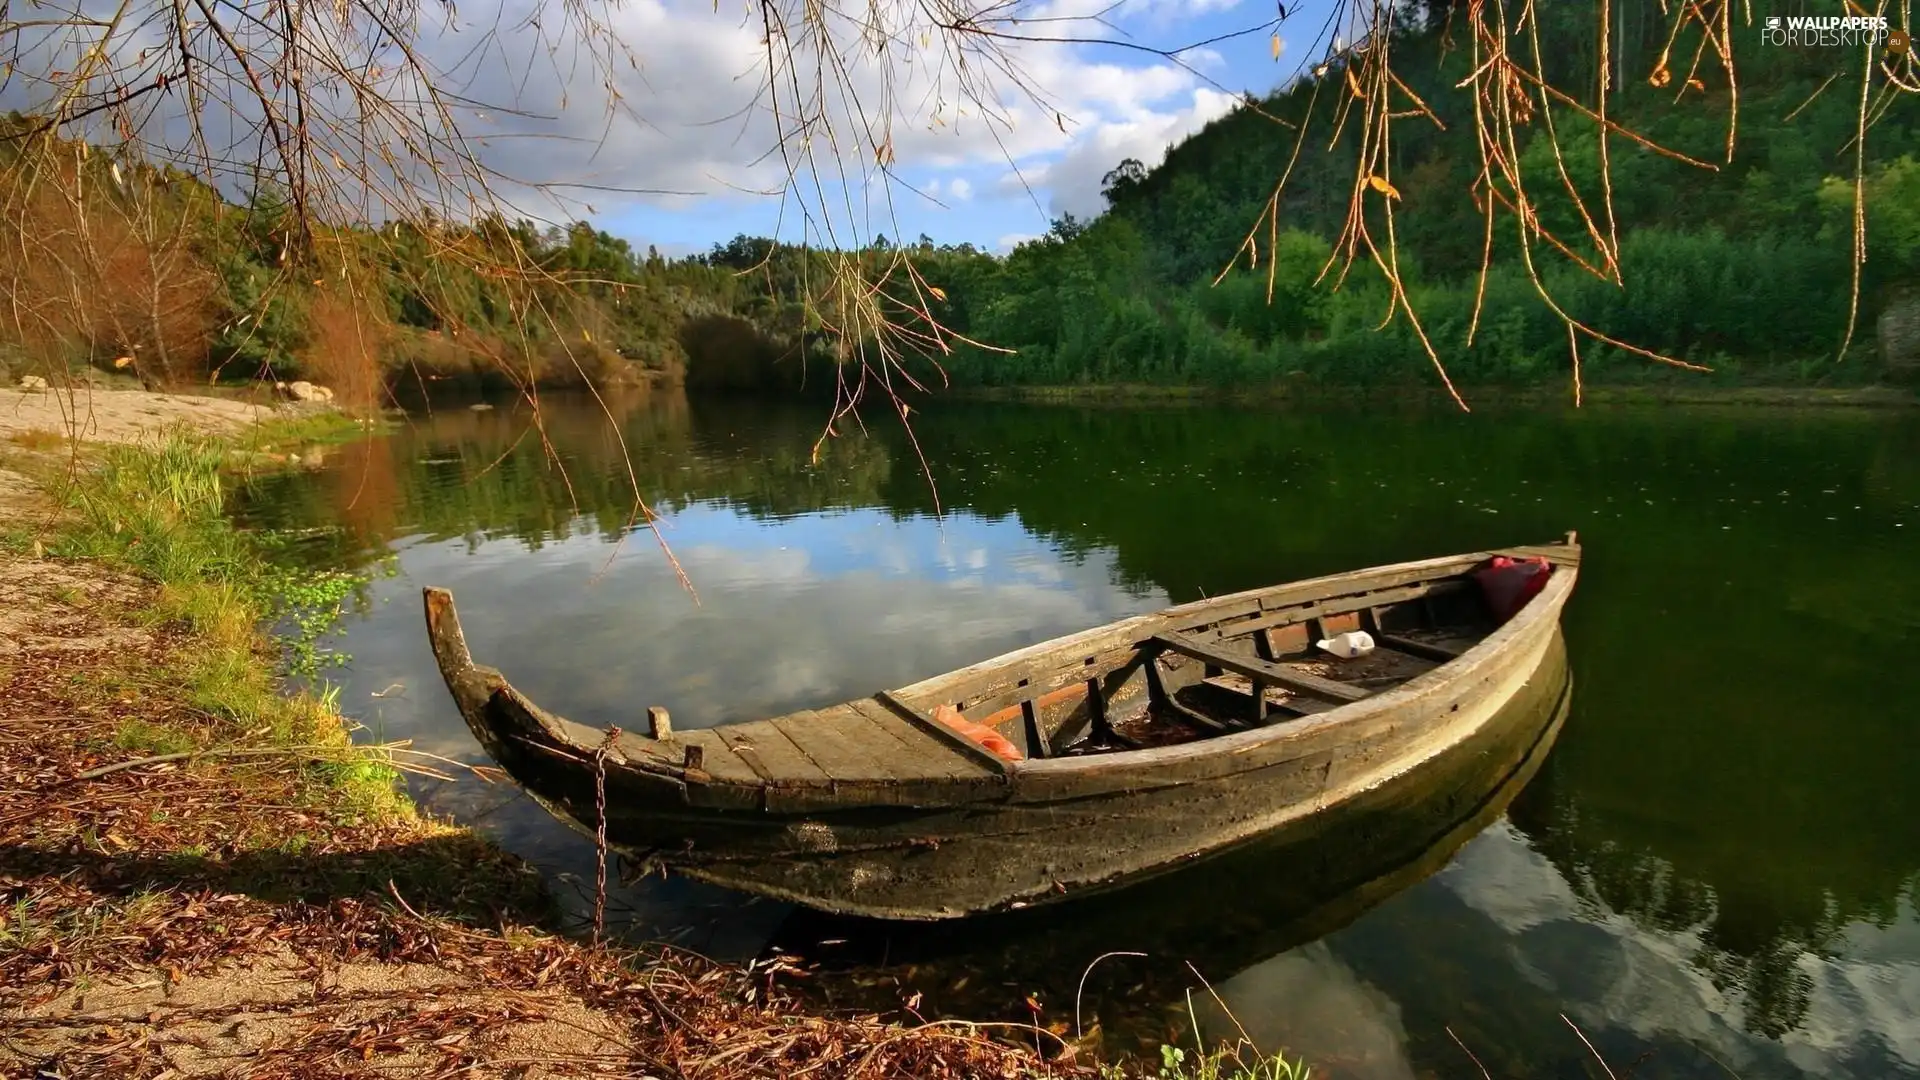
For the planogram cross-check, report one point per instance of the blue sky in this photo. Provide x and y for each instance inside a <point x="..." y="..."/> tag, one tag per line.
<point x="988" y="136"/>
<point x="704" y="126"/>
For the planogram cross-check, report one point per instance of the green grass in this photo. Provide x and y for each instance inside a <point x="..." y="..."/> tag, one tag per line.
<point x="327" y="427"/>
<point x="24" y="927"/>
<point x="158" y="511"/>
<point x="1228" y="1063"/>
<point x="149" y="738"/>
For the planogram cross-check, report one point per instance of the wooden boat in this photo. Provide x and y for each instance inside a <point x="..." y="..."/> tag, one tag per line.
<point x="1296" y="884"/>
<point x="1140" y="745"/>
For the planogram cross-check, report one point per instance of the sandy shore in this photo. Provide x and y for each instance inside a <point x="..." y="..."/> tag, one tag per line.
<point x="119" y="416"/>
<point x="182" y="896"/>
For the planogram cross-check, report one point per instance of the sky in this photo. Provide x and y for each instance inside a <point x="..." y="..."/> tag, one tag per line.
<point x="987" y="137"/>
<point x="698" y="122"/>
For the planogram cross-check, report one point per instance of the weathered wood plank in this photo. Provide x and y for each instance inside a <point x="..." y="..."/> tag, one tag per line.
<point x="941" y="757"/>
<point x="1260" y="670"/>
<point x="1037" y="745"/>
<point x="768" y="751"/>
<point x="1302" y="614"/>
<point x="717" y="759"/>
<point x="987" y="703"/>
<point x="938" y="730"/>
<point x="1011" y="705"/>
<point x="1308" y="592"/>
<point x="1000" y="673"/>
<point x="1421" y="649"/>
<point x="1335" y="624"/>
<point x="1287" y="639"/>
<point x="1558" y="554"/>
<point x="1198" y="717"/>
<point x="819" y="743"/>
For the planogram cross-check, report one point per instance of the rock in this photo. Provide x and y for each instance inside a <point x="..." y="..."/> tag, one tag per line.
<point x="32" y="382"/>
<point x="303" y="390"/>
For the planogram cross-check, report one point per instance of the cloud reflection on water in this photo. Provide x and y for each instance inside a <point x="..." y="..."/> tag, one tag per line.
<point x="1629" y="988"/>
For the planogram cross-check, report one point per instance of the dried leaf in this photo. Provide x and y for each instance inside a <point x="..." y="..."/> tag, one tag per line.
<point x="1379" y="184"/>
<point x="1276" y="46"/>
<point x="1661" y="76"/>
<point x="938" y="292"/>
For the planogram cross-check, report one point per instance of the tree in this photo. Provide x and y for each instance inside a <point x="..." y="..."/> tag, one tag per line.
<point x="340" y="107"/>
<point x="1122" y="180"/>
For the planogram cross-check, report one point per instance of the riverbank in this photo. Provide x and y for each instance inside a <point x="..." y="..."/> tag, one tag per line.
<point x="1675" y="393"/>
<point x="203" y="875"/>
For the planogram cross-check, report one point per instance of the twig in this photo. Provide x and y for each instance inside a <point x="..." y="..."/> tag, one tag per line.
<point x="1218" y="1000"/>
<point x="1078" y="1031"/>
<point x="1470" y="1054"/>
<point x="161" y="759"/>
<point x="1590" y="1049"/>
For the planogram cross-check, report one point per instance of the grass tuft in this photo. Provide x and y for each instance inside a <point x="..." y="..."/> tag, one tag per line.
<point x="1228" y="1063"/>
<point x="144" y="737"/>
<point x="159" y="512"/>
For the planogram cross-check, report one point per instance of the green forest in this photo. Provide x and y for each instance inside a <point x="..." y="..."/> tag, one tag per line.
<point x="1742" y="266"/>
<point x="1745" y="268"/>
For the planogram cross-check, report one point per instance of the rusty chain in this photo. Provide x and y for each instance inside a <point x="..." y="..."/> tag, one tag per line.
<point x="600" y="832"/>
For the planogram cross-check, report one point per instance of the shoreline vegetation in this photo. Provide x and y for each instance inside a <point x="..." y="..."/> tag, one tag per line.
<point x="1124" y="394"/>
<point x="201" y="872"/>
<point x="1183" y="280"/>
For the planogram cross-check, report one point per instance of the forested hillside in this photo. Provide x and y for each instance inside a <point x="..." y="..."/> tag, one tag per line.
<point x="150" y="272"/>
<point x="1744" y="267"/>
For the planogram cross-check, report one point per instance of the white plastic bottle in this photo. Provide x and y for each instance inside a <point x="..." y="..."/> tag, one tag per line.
<point x="1348" y="645"/>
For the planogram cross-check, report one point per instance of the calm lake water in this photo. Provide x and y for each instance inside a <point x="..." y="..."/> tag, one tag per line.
<point x="1712" y="873"/>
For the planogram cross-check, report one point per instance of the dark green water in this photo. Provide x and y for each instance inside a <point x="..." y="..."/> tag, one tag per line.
<point x="1713" y="873"/>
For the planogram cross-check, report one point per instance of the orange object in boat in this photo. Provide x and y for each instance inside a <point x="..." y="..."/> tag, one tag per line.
<point x="995" y="742"/>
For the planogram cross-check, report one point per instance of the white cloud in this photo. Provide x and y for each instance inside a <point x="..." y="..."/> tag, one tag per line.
<point x="1864" y="997"/>
<point x="1331" y="1013"/>
<point x="694" y="117"/>
<point x="1012" y="240"/>
<point x="1074" y="179"/>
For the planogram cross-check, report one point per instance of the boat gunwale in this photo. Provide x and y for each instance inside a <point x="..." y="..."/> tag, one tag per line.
<point x="1133" y="632"/>
<point x="1483" y="653"/>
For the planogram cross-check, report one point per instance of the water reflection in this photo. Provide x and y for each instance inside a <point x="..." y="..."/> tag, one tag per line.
<point x="1717" y="862"/>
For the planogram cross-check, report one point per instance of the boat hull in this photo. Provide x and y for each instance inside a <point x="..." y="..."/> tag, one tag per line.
<point x="1016" y="855"/>
<point x="873" y="808"/>
<point x="1291" y="887"/>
